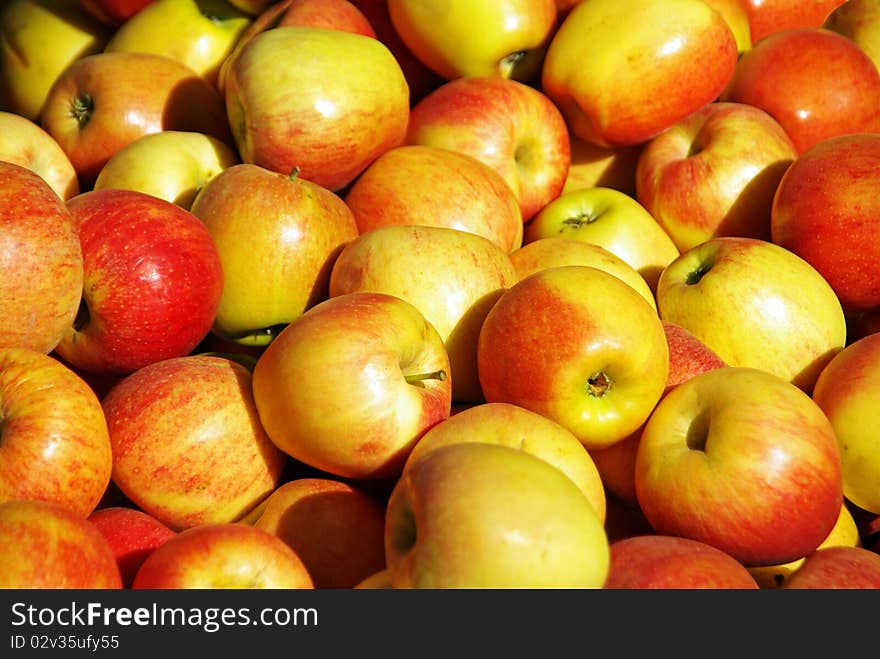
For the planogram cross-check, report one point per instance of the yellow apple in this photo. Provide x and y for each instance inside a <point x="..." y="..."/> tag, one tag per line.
<point x="737" y="18"/>
<point x="602" y="166"/>
<point x="858" y="20"/>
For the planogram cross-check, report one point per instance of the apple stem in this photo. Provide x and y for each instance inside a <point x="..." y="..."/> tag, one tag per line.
<point x="580" y="220"/>
<point x="294" y="173"/>
<point x="696" y="275"/>
<point x="82" y="109"/>
<point x="598" y="385"/>
<point x="508" y="63"/>
<point x="412" y="378"/>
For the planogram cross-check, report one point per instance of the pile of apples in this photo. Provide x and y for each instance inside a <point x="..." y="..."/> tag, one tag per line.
<point x="439" y="294"/>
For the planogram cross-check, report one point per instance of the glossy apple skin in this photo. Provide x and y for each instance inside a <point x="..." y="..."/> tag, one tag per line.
<point x="823" y="212"/>
<point x="46" y="545"/>
<point x="714" y="173"/>
<point x="763" y="476"/>
<point x="215" y="556"/>
<point x="41" y="266"/>
<point x="621" y="72"/>
<point x="114" y="13"/>
<point x="659" y="561"/>
<point x="858" y="20"/>
<point x="838" y="568"/>
<point x="816" y="83"/>
<point x="579" y="346"/>
<point x="188" y="447"/>
<point x="56" y="446"/>
<point x="734" y="13"/>
<point x="769" y="16"/>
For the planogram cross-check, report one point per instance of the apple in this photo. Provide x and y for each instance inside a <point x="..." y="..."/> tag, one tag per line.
<point x="579" y="346"/>
<point x="858" y="20"/>
<point x="714" y="173"/>
<point x="335" y="528"/>
<point x="816" y="83"/>
<point x="277" y="237"/>
<point x="737" y="18"/>
<point x="433" y="186"/>
<point x="769" y="16"/>
<point x="619" y="86"/>
<point x="755" y="304"/>
<point x="517" y="427"/>
<point x="285" y="116"/>
<point x="350" y="385"/>
<point x="24" y="142"/>
<point x="56" y="445"/>
<point x="485" y="515"/>
<point x="113" y="13"/>
<point x="41" y="266"/>
<point x="376" y="581"/>
<point x="836" y="568"/>
<point x="222" y="555"/>
<point x="602" y="166"/>
<point x="743" y="460"/>
<point x="512" y="127"/>
<point x="657" y="561"/>
<point x="505" y="38"/>
<point x="132" y="535"/>
<point x="105" y="101"/>
<point x="172" y="164"/>
<point x="611" y="219"/>
<point x="823" y="212"/>
<point x="46" y="545"/>
<point x="188" y="446"/>
<point x="847" y="390"/>
<point x="152" y="282"/>
<point x="41" y="38"/>
<point x="452" y="277"/>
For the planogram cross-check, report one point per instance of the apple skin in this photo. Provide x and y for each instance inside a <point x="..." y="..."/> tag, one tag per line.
<point x="656" y="561"/>
<point x="714" y="173"/>
<point x="433" y="186"/>
<point x="335" y="528"/>
<point x="452" y="277"/>
<point x="837" y="568"/>
<point x="46" y="545"/>
<point x="602" y="167"/>
<point x="277" y="236"/>
<point x="188" y="446"/>
<point x="521" y="522"/>
<point x="371" y="342"/>
<point x="512" y="127"/>
<point x="579" y="346"/>
<point x="822" y="211"/>
<point x="284" y="117"/>
<point x="755" y="304"/>
<point x="734" y="13"/>
<point x="220" y="556"/>
<point x="743" y="460"/>
<point x="769" y="16"/>
<point x="113" y="13"/>
<point x="56" y="445"/>
<point x="816" y="83"/>
<point x="620" y="85"/>
<point x="41" y="265"/>
<point x="858" y="20"/>
<point x="132" y="535"/>
<point x="152" y="282"/>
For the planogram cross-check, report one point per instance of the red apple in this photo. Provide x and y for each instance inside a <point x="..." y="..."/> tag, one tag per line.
<point x="113" y="12"/>
<point x="836" y="568"/>
<point x="769" y="16"/>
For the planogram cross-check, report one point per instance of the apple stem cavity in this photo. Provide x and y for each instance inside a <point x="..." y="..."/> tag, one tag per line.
<point x="694" y="276"/>
<point x="698" y="431"/>
<point x="579" y="220"/>
<point x="598" y="384"/>
<point x="82" y="316"/>
<point x="414" y="378"/>
<point x="82" y="108"/>
<point x="508" y="64"/>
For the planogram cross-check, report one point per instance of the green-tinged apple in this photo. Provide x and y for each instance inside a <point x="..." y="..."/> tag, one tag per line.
<point x="41" y="265"/>
<point x="198" y="33"/>
<point x="769" y="16"/>
<point x="658" y="561"/>
<point x="277" y="236"/>
<point x="221" y="556"/>
<point x="826" y="212"/>
<point x="396" y="373"/>
<point x="623" y="71"/>
<point x="24" y="142"/>
<point x="172" y="164"/>
<point x="46" y="545"/>
<point x="335" y="528"/>
<point x="714" y="173"/>
<point x="113" y="13"/>
<point x="579" y="346"/>
<point x="743" y="460"/>
<point x="152" y="281"/>
<point x="452" y="277"/>
<point x="432" y="186"/>
<point x="558" y="250"/>
<point x="734" y="13"/>
<point x="188" y="446"/>
<point x="486" y="515"/>
<point x="132" y="535"/>
<point x="512" y="127"/>
<point x="514" y="426"/>
<point x="285" y="116"/>
<point x="611" y="219"/>
<point x="602" y="166"/>
<point x="38" y="40"/>
<point x="858" y="20"/>
<point x="847" y="391"/>
<point x="838" y="568"/>
<point x="505" y="38"/>
<point x="56" y="446"/>
<point x="105" y="101"/>
<point x="755" y="304"/>
<point x="816" y="83"/>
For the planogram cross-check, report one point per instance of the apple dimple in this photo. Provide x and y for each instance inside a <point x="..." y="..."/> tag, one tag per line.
<point x="697" y="433"/>
<point x="599" y="384"/>
<point x="696" y="275"/>
<point x="82" y="108"/>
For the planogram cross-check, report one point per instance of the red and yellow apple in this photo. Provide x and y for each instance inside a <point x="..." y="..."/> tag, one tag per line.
<point x="769" y="16"/>
<point x="838" y="568"/>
